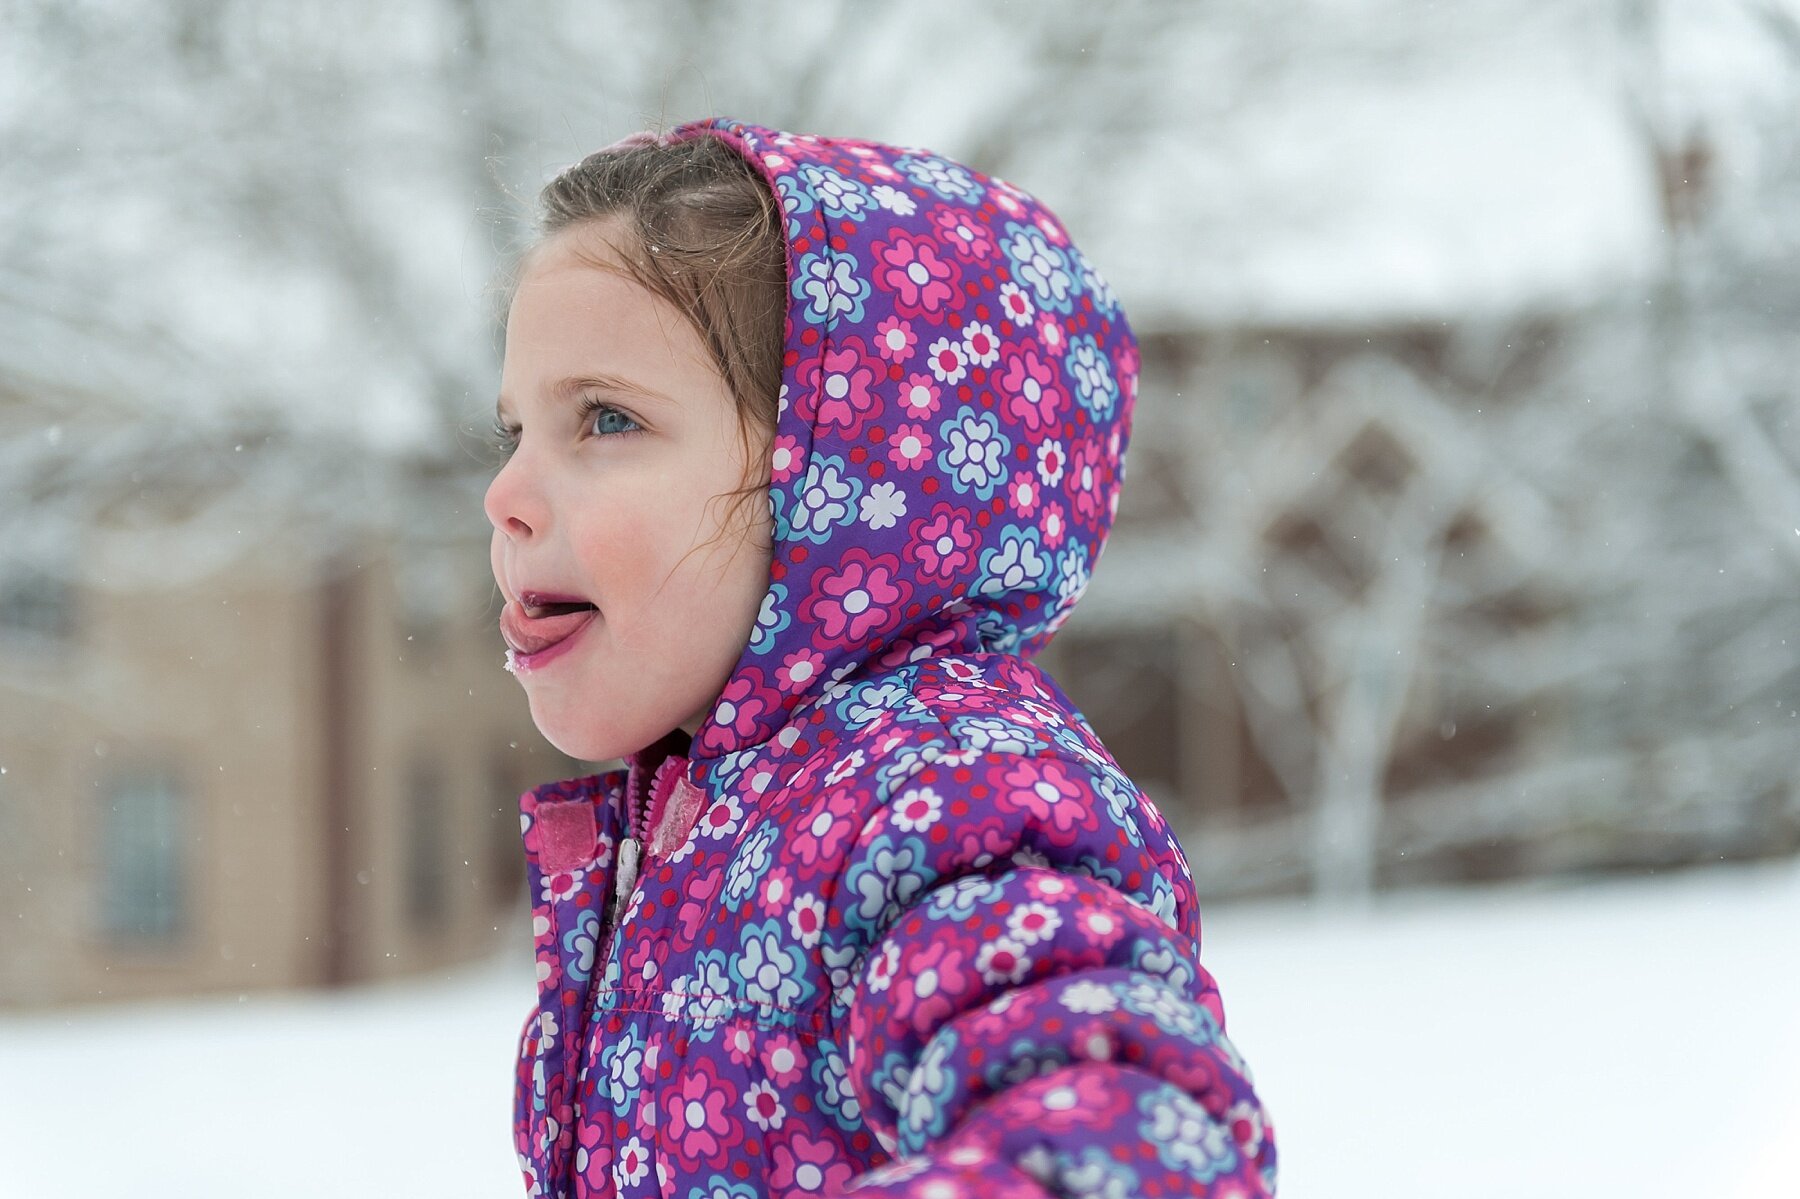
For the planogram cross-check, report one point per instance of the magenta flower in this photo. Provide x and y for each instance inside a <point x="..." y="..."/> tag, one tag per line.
<point x="860" y="596"/>
<point x="910" y="446"/>
<point x="968" y="238"/>
<point x="914" y="269"/>
<point x="943" y="544"/>
<point x="695" y="1115"/>
<point x="847" y="377"/>
<point x="1032" y="394"/>
<point x="895" y="339"/>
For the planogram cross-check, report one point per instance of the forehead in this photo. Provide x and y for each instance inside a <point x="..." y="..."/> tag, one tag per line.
<point x="576" y="311"/>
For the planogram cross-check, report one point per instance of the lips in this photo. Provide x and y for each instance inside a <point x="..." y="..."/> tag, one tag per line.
<point x="528" y="634"/>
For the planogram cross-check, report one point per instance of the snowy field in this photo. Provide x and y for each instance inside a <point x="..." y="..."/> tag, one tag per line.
<point x="1633" y="1038"/>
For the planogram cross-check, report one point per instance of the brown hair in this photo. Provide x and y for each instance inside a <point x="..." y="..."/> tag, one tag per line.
<point x="705" y="234"/>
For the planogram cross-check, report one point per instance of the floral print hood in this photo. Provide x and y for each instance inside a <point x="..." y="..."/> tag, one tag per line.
<point x="955" y="410"/>
<point x="893" y="919"/>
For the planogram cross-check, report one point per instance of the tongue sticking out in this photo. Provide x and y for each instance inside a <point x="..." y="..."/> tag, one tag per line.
<point x="528" y="634"/>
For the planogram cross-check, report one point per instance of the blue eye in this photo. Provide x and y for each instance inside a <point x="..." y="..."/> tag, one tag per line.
<point x="594" y="414"/>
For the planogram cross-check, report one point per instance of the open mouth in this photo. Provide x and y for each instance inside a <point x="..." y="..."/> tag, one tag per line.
<point x="532" y="629"/>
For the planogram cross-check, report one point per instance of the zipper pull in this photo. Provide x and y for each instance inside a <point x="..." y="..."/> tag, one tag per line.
<point x="625" y="877"/>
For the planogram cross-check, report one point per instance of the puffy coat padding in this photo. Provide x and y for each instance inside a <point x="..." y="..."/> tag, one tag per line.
<point x="893" y="917"/>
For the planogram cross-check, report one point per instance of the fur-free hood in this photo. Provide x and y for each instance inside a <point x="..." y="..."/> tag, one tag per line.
<point x="955" y="410"/>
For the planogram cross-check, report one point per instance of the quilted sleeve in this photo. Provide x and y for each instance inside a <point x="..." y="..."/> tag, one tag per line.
<point x="1030" y="1017"/>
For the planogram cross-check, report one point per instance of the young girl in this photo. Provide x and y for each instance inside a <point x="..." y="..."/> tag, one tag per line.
<point x="870" y="908"/>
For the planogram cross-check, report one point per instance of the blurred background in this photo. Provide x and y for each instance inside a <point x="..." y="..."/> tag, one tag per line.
<point x="1453" y="609"/>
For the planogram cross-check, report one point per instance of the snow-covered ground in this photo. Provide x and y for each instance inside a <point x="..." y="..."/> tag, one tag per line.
<point x="1632" y="1038"/>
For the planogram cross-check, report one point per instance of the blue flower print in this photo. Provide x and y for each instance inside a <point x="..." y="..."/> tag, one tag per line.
<point x="1024" y="1061"/>
<point x="580" y="944"/>
<point x="832" y="286"/>
<point x="622" y="1068"/>
<point x="1093" y="1174"/>
<point x="720" y="1187"/>
<point x="1172" y="1011"/>
<point x="750" y="864"/>
<point x="973" y="453"/>
<point x="831" y="1074"/>
<point x="838" y="196"/>
<point x="925" y="1112"/>
<point x="796" y="202"/>
<point x="963" y="898"/>
<point x="710" y="990"/>
<point x="867" y="701"/>
<point x="773" y="618"/>
<point x="1072" y="580"/>
<point x="771" y="969"/>
<point x="1090" y="374"/>
<point x="948" y="179"/>
<point x="1016" y="564"/>
<point x="1092" y="282"/>
<point x="1040" y="266"/>
<point x="997" y="633"/>
<point x="826" y="500"/>
<point x="1186" y="1138"/>
<point x="885" y="880"/>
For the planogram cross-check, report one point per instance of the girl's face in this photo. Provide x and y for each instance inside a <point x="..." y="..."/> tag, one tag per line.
<point x="615" y="504"/>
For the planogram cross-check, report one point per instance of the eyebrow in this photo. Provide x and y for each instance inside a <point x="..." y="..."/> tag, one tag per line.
<point x="566" y="390"/>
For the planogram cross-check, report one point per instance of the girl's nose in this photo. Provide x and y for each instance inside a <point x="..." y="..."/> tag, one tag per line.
<point x="510" y="505"/>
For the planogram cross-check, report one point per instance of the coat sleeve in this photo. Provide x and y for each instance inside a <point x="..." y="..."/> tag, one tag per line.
<point x="1030" y="1017"/>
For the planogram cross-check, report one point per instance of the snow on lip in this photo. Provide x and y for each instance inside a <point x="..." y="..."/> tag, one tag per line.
<point x="528" y="634"/>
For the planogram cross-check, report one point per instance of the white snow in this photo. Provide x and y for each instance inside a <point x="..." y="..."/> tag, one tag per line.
<point x="1636" y="1037"/>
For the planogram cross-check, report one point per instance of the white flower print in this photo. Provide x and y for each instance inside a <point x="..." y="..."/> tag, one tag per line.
<point x="894" y="200"/>
<point x="918" y="810"/>
<point x="806" y="920"/>
<point x="979" y="344"/>
<point x="883" y="506"/>
<point x="1016" y="304"/>
<point x="763" y="1104"/>
<point x="1003" y="960"/>
<point x="948" y="361"/>
<point x="1052" y="460"/>
<point x="881" y="970"/>
<point x="1088" y="999"/>
<point x="844" y="767"/>
<point x="632" y="1164"/>
<point x="1030" y="923"/>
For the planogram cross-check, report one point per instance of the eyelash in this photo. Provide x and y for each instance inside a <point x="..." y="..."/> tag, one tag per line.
<point x="506" y="437"/>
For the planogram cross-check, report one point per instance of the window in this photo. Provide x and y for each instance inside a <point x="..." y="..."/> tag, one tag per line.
<point x="36" y="604"/>
<point x="143" y="859"/>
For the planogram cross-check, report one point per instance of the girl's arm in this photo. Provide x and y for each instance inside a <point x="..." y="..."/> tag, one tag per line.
<point x="1025" y="1023"/>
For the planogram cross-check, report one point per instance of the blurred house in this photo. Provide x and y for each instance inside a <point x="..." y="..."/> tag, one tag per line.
<point x="1420" y="571"/>
<point x="264" y="777"/>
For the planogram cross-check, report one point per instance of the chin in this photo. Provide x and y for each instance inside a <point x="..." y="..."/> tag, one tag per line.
<point x="589" y="740"/>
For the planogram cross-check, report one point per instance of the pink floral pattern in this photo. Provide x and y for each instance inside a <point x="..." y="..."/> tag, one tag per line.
<point x="922" y="937"/>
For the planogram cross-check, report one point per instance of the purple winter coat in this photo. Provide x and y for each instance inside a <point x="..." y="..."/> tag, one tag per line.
<point x="894" y="919"/>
